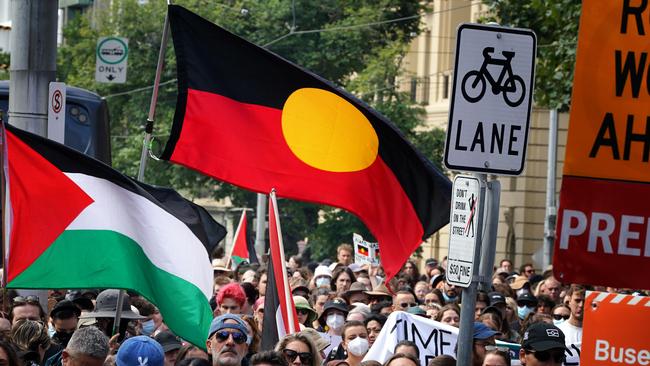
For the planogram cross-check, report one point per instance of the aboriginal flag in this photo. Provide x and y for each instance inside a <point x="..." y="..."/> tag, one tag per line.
<point x="251" y="118"/>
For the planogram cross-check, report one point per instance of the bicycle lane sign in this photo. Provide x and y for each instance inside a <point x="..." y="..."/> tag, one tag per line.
<point x="491" y="100"/>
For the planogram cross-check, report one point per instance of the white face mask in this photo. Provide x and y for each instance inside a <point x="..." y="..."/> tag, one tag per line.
<point x="322" y="281"/>
<point x="358" y="346"/>
<point x="335" y="321"/>
<point x="558" y="322"/>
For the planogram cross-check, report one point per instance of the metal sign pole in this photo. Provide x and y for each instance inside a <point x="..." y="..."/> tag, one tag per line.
<point x="466" y="331"/>
<point x="489" y="245"/>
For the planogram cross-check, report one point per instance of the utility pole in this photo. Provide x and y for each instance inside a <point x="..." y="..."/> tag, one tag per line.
<point x="33" y="62"/>
<point x="33" y="67"/>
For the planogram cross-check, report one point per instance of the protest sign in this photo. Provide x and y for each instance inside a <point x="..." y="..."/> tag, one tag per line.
<point x="606" y="241"/>
<point x="601" y="345"/>
<point x="432" y="338"/>
<point x="364" y="251"/>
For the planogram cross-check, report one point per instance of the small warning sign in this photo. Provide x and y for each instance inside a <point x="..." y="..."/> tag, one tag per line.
<point x="463" y="235"/>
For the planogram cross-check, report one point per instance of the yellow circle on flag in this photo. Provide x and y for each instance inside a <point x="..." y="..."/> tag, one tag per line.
<point x="327" y="132"/>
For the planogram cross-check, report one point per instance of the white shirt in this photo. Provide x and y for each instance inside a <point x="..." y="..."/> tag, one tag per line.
<point x="572" y="334"/>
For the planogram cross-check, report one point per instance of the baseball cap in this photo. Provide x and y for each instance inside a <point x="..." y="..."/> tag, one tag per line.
<point x="482" y="331"/>
<point x="496" y="298"/>
<point x="219" y="323"/>
<point x="543" y="337"/>
<point x="139" y="351"/>
<point x="526" y="299"/>
<point x="168" y="340"/>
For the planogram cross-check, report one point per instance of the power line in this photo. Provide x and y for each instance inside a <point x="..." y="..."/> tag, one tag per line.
<point x="363" y="25"/>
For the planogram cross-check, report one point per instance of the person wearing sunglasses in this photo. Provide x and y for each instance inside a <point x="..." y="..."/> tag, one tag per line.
<point x="26" y="307"/>
<point x="228" y="340"/>
<point x="299" y="350"/>
<point x="542" y="344"/>
<point x="404" y="299"/>
<point x="561" y="313"/>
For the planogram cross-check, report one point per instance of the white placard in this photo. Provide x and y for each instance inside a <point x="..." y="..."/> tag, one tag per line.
<point x="365" y="252"/>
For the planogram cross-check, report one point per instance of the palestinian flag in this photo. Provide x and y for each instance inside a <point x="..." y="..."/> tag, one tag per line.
<point x="76" y="223"/>
<point x="239" y="252"/>
<point x="251" y="118"/>
<point x="280" y="316"/>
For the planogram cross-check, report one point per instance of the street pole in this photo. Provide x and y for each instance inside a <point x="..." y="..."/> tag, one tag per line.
<point x="260" y="226"/>
<point x="468" y="304"/>
<point x="33" y="62"/>
<point x="33" y="67"/>
<point x="551" y="209"/>
<point x="489" y="245"/>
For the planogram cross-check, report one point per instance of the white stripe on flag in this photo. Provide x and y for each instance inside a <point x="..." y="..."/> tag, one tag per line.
<point x="280" y="322"/>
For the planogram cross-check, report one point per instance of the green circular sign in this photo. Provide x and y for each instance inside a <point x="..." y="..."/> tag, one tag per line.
<point x="112" y="53"/>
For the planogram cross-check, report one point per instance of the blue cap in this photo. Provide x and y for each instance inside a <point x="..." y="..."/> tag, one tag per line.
<point x="482" y="331"/>
<point x="140" y="351"/>
<point x="219" y="323"/>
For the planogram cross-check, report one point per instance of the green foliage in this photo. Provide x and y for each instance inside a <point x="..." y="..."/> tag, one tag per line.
<point x="4" y="66"/>
<point x="556" y="25"/>
<point x="366" y="59"/>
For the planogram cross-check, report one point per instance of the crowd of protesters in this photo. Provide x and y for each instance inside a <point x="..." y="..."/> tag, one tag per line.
<point x="341" y="306"/>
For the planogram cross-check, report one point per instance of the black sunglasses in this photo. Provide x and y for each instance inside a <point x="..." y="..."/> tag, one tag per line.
<point x="305" y="357"/>
<point x="302" y="311"/>
<point x="237" y="337"/>
<point x="560" y="316"/>
<point x="544" y="356"/>
<point x="31" y="299"/>
<point x="405" y="305"/>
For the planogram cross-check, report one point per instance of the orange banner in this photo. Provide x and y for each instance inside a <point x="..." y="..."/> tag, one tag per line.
<point x="615" y="330"/>
<point x="609" y="134"/>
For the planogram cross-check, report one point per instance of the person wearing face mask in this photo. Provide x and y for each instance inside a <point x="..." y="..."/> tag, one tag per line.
<point x="333" y="319"/>
<point x="526" y="304"/>
<point x="355" y="342"/>
<point x="322" y="277"/>
<point x="64" y="319"/>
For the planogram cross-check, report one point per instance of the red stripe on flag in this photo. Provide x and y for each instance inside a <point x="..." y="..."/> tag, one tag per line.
<point x="287" y="307"/>
<point x="239" y="247"/>
<point x="373" y="194"/>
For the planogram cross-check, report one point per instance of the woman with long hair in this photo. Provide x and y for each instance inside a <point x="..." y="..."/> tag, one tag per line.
<point x="299" y="350"/>
<point x="342" y="278"/>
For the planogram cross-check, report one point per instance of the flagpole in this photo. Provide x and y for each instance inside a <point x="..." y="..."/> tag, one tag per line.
<point x="5" y="233"/>
<point x="148" y="130"/>
<point x="232" y="248"/>
<point x="287" y="292"/>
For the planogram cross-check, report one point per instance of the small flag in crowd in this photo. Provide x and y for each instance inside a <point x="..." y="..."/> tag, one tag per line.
<point x="272" y="124"/>
<point x="280" y="316"/>
<point x="74" y="222"/>
<point x="239" y="252"/>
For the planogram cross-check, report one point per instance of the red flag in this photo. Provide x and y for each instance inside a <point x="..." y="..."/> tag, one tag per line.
<point x="280" y="316"/>
<point x="239" y="252"/>
<point x="304" y="136"/>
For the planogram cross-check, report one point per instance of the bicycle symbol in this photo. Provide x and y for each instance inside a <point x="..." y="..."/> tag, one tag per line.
<point x="512" y="86"/>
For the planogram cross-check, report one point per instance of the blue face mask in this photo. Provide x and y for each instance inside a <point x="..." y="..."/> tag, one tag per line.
<point x="148" y="327"/>
<point x="50" y="330"/>
<point x="449" y="299"/>
<point x="522" y="311"/>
